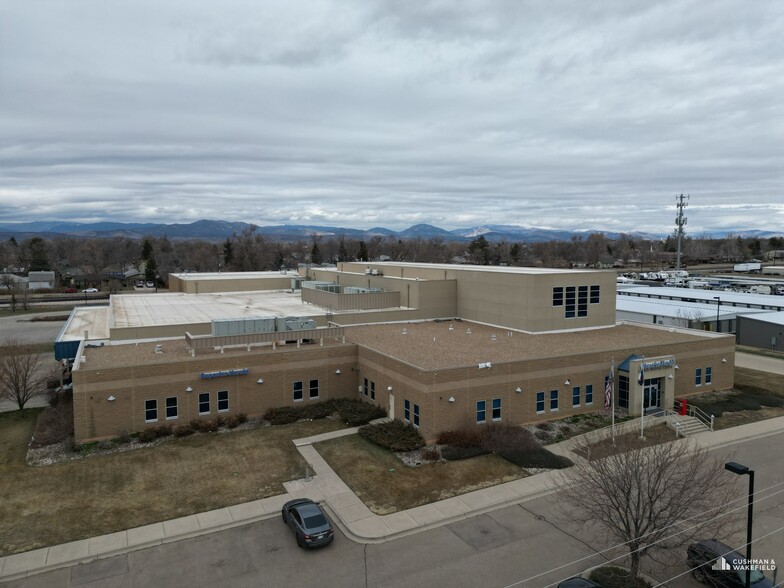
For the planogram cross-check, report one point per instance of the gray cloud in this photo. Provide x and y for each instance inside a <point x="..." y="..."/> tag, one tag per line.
<point x="558" y="114"/>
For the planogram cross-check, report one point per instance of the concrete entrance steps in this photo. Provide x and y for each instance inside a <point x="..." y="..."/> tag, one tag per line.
<point x="687" y="425"/>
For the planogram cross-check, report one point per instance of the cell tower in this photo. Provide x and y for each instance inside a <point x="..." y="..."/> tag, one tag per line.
<point x="681" y="202"/>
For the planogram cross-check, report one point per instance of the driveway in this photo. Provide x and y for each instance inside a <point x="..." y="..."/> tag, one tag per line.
<point x="761" y="363"/>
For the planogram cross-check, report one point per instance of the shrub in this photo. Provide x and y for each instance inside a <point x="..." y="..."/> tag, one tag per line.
<point x="105" y="445"/>
<point x="394" y="435"/>
<point x="235" y="420"/>
<point x="431" y="454"/>
<point x="537" y="457"/>
<point x="317" y="410"/>
<point x="454" y="453"/>
<point x="544" y="426"/>
<point x="148" y="435"/>
<point x="500" y="437"/>
<point x="163" y="430"/>
<point x="460" y="438"/>
<point x="211" y="425"/>
<point x="183" y="431"/>
<point x="357" y="412"/>
<point x="242" y="417"/>
<point x="197" y="425"/>
<point x="55" y="424"/>
<point x="123" y="438"/>
<point x="282" y="415"/>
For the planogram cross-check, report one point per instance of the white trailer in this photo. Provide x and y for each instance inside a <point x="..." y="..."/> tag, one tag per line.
<point x="748" y="267"/>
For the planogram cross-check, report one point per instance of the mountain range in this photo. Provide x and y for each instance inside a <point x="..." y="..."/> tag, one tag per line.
<point x="217" y="230"/>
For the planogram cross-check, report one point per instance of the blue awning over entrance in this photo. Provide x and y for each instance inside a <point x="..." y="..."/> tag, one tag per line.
<point x="624" y="366"/>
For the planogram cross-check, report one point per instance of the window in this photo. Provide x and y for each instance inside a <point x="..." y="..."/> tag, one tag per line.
<point x="223" y="401"/>
<point x="623" y="391"/>
<point x="576" y="396"/>
<point x="481" y="410"/>
<point x="496" y="409"/>
<point x="372" y="390"/>
<point x="553" y="399"/>
<point x="365" y="387"/>
<point x="407" y="411"/>
<point x="708" y="375"/>
<point x="171" y="408"/>
<point x="314" y="392"/>
<point x="558" y="296"/>
<point x="698" y="377"/>
<point x="570" y="306"/>
<point x="582" y="301"/>
<point x="150" y="411"/>
<point x="204" y="403"/>
<point x="539" y="402"/>
<point x="595" y="294"/>
<point x="588" y="394"/>
<point x="416" y="415"/>
<point x="297" y="391"/>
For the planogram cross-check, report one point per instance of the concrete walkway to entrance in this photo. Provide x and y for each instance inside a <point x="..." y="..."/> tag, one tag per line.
<point x="345" y="508"/>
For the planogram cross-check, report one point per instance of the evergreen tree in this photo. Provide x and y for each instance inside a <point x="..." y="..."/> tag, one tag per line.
<point x="362" y="254"/>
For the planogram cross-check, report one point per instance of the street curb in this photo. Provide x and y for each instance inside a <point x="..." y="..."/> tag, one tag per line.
<point x="129" y="548"/>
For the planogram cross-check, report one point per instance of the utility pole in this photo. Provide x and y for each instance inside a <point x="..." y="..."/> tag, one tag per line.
<point x="681" y="202"/>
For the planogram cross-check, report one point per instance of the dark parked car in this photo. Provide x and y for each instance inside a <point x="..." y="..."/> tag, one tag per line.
<point x="719" y="565"/>
<point x="578" y="582"/>
<point x="308" y="522"/>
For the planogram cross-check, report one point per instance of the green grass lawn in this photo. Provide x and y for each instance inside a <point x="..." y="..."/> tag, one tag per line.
<point x="101" y="494"/>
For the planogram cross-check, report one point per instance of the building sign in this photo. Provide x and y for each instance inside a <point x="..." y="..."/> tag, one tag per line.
<point x="655" y="365"/>
<point x="224" y="373"/>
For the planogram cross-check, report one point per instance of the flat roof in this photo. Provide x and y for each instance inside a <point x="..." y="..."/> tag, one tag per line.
<point x="236" y="275"/>
<point x="679" y="308"/>
<point x="773" y="318"/>
<point x="432" y="345"/>
<point x="727" y="297"/>
<point x="482" y="268"/>
<point x="143" y="353"/>
<point x="93" y="319"/>
<point x="175" y="308"/>
<point x="179" y="308"/>
<point x="428" y="345"/>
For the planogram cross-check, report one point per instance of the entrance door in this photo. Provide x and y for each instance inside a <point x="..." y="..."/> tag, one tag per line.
<point x="391" y="405"/>
<point x="652" y="393"/>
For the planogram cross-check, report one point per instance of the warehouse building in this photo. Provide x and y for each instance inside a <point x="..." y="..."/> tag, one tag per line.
<point x="438" y="346"/>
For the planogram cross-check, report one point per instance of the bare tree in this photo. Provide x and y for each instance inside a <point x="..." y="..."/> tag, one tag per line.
<point x="651" y="499"/>
<point x="22" y="372"/>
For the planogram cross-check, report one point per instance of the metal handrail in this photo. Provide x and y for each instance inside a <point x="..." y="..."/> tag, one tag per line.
<point x="674" y="418"/>
<point x="700" y="414"/>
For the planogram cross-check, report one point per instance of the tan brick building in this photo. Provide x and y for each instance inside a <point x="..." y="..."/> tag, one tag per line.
<point x="463" y="346"/>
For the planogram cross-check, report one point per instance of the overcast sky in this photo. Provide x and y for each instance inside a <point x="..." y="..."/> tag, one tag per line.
<point x="361" y="113"/>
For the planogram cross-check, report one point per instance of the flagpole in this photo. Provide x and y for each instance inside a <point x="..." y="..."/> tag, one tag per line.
<point x="612" y="398"/>
<point x="641" y="382"/>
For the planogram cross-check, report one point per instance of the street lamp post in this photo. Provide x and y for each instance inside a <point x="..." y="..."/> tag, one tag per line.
<point x="718" y="308"/>
<point x="742" y="470"/>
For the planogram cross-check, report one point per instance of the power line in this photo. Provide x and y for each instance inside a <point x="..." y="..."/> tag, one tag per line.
<point x="723" y="554"/>
<point x="623" y="544"/>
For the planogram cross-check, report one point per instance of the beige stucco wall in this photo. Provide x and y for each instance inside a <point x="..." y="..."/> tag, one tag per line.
<point x="516" y="299"/>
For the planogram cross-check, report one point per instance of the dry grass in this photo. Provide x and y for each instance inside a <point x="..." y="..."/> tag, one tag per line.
<point x="757" y="396"/>
<point x="653" y="436"/>
<point x="54" y="504"/>
<point x="386" y="485"/>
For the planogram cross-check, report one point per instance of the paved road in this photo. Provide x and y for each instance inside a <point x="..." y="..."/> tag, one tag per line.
<point x="761" y="363"/>
<point x="499" y="549"/>
<point x="21" y="327"/>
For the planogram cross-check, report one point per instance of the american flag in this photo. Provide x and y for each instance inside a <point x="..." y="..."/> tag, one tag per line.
<point x="608" y="390"/>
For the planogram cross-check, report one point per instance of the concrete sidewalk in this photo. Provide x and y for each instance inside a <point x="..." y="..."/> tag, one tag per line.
<point x="346" y="509"/>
